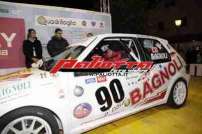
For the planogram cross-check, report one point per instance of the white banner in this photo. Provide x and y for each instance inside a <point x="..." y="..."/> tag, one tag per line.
<point x="16" y="18"/>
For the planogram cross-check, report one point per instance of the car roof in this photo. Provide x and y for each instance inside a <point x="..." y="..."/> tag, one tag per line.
<point x="129" y="35"/>
<point x="101" y="36"/>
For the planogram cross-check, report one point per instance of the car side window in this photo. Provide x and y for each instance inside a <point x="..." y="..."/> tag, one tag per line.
<point x="154" y="50"/>
<point x="111" y="49"/>
<point x="133" y="48"/>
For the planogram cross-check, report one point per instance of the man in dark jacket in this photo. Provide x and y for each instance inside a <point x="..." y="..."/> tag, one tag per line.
<point x="57" y="45"/>
<point x="32" y="49"/>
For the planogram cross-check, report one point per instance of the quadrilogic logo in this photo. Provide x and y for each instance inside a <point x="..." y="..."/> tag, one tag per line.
<point x="67" y="22"/>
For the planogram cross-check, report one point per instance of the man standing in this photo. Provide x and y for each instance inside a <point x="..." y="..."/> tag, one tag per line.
<point x="57" y="45"/>
<point x="32" y="50"/>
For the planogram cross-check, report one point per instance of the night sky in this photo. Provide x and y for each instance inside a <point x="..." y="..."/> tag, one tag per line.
<point x="81" y="4"/>
<point x="135" y="10"/>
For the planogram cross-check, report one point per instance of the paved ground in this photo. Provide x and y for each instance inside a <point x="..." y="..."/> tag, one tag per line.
<point x="163" y="119"/>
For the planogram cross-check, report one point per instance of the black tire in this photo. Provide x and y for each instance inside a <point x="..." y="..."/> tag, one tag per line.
<point x="30" y="111"/>
<point x="171" y="102"/>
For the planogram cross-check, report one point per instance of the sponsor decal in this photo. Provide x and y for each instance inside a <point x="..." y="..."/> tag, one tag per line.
<point x="93" y="23"/>
<point x="156" y="81"/>
<point x="78" y="91"/>
<point x="154" y="50"/>
<point x="118" y="107"/>
<point x="90" y="80"/>
<point x="12" y="33"/>
<point x="126" y="102"/>
<point x="113" y="72"/>
<point x="16" y="89"/>
<point x="67" y="22"/>
<point x="159" y="56"/>
<point x="82" y="110"/>
<point x="109" y="74"/>
<point x="101" y="78"/>
<point x="42" y="20"/>
<point x="55" y="21"/>
<point x="98" y="63"/>
<point x="84" y="23"/>
<point x="158" y="96"/>
<point x="101" y="25"/>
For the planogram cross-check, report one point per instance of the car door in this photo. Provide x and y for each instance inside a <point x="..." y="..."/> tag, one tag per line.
<point x="135" y="77"/>
<point x="151" y="86"/>
<point x="101" y="95"/>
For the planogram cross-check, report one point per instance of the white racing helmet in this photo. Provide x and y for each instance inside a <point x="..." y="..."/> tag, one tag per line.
<point x="104" y="48"/>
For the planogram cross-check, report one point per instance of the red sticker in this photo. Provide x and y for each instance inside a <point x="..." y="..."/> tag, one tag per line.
<point x="154" y="50"/>
<point x="101" y="78"/>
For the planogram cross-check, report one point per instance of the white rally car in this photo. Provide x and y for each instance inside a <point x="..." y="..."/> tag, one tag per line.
<point x="38" y="102"/>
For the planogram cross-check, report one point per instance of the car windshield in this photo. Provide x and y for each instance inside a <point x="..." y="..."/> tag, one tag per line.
<point x="74" y="51"/>
<point x="71" y="52"/>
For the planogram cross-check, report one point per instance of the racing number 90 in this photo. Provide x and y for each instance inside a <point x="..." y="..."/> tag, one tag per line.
<point x="103" y="95"/>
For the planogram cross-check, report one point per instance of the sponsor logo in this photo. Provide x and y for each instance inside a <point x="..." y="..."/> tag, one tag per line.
<point x="154" y="50"/>
<point x="101" y="24"/>
<point x="55" y="21"/>
<point x="98" y="63"/>
<point x="126" y="102"/>
<point x="90" y="80"/>
<point x="84" y="23"/>
<point x="156" y="81"/>
<point x="158" y="96"/>
<point x="82" y="110"/>
<point x="42" y="20"/>
<point x="66" y="22"/>
<point x="93" y="23"/>
<point x="101" y="78"/>
<point x="111" y="73"/>
<point x="14" y="89"/>
<point x="118" y="107"/>
<point x="159" y="56"/>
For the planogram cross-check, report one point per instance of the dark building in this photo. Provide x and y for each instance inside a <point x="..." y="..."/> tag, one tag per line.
<point x="179" y="21"/>
<point x="161" y="20"/>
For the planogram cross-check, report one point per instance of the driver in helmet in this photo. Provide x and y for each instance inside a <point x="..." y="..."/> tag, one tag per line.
<point x="110" y="55"/>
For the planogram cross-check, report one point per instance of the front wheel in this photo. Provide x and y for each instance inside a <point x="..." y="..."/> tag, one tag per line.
<point x="29" y="121"/>
<point x="178" y="95"/>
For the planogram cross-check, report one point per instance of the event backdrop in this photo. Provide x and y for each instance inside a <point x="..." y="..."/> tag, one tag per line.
<point x="16" y="18"/>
